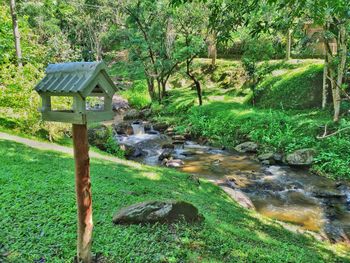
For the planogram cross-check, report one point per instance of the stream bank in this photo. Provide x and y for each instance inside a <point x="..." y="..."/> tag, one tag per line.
<point x="281" y="192"/>
<point x="290" y="194"/>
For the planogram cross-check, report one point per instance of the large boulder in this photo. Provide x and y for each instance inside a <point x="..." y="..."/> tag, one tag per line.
<point x="123" y="128"/>
<point x="167" y="153"/>
<point x="157" y="211"/>
<point x="132" y="115"/>
<point x="161" y="127"/>
<point x="267" y="158"/>
<point x="131" y="151"/>
<point x="247" y="147"/>
<point x="119" y="103"/>
<point x="302" y="157"/>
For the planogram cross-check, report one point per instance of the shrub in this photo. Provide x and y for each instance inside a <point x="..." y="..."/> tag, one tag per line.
<point x="137" y="95"/>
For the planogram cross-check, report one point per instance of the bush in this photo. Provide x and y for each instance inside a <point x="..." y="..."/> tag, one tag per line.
<point x="137" y="95"/>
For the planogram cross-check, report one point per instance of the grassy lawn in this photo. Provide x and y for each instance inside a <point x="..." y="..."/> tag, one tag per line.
<point x="38" y="216"/>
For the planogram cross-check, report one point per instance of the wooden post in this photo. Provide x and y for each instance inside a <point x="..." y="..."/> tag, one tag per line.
<point x="83" y="192"/>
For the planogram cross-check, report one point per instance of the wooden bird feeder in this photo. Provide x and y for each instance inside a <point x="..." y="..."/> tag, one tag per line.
<point x="79" y="81"/>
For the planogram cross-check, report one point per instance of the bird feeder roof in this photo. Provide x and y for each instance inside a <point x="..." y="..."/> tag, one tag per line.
<point x="76" y="77"/>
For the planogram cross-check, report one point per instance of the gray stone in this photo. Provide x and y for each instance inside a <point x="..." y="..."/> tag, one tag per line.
<point x="335" y="233"/>
<point x="278" y="157"/>
<point x="168" y="146"/>
<point x="157" y="211"/>
<point x="265" y="156"/>
<point x="131" y="150"/>
<point x="123" y="128"/>
<point x="301" y="157"/>
<point x="132" y="115"/>
<point x="174" y="163"/>
<point x="161" y="127"/>
<point x="165" y="154"/>
<point x="119" y="103"/>
<point x="179" y="138"/>
<point x="241" y="198"/>
<point x="247" y="147"/>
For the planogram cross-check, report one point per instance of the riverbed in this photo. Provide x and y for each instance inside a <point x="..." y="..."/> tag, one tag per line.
<point x="280" y="192"/>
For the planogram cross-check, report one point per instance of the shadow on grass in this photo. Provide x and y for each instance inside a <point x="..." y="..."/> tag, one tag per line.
<point x="39" y="216"/>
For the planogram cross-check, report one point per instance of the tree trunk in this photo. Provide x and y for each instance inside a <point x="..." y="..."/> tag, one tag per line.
<point x="342" y="53"/>
<point x="289" y="44"/>
<point x="16" y="33"/>
<point x="159" y="90"/>
<point x="324" y="85"/>
<point x="163" y="88"/>
<point x="212" y="50"/>
<point x="195" y="81"/>
<point x="83" y="192"/>
<point x="150" y="85"/>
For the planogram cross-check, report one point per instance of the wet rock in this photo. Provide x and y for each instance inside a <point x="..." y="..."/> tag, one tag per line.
<point x="157" y="211"/>
<point x="188" y="136"/>
<point x="123" y="128"/>
<point x="178" y="142"/>
<point x="238" y="196"/>
<point x="167" y="153"/>
<point x="267" y="162"/>
<point x="188" y="153"/>
<point x="131" y="150"/>
<point x="168" y="146"/>
<point x="329" y="194"/>
<point x="179" y="138"/>
<point x="237" y="181"/>
<point x="161" y="127"/>
<point x="247" y="147"/>
<point x="278" y="157"/>
<point x="170" y="131"/>
<point x="132" y="115"/>
<point x="267" y="158"/>
<point x="301" y="157"/>
<point x="98" y="136"/>
<point x="174" y="163"/>
<point x="335" y="233"/>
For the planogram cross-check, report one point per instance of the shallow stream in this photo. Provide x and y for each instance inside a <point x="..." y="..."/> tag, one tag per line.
<point x="281" y="192"/>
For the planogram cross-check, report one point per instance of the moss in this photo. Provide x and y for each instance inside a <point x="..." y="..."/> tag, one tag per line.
<point x="294" y="89"/>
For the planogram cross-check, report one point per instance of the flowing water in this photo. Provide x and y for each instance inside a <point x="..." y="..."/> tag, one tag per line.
<point x="281" y="192"/>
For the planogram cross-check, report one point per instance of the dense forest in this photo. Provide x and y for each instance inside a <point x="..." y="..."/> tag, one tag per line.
<point x="264" y="82"/>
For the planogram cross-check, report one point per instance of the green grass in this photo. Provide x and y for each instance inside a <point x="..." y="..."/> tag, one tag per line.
<point x="293" y="89"/>
<point x="228" y="124"/>
<point x="38" y="216"/>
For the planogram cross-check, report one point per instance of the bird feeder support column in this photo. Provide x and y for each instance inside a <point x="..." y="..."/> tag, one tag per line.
<point x="83" y="192"/>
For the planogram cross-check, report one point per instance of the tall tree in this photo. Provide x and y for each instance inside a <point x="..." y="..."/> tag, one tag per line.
<point x="334" y="16"/>
<point x="16" y="33"/>
<point x="149" y="36"/>
<point x="192" y="27"/>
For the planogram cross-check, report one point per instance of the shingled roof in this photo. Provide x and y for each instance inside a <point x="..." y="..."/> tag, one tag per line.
<point x="73" y="77"/>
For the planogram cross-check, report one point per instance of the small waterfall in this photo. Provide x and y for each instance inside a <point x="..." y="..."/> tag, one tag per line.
<point x="138" y="128"/>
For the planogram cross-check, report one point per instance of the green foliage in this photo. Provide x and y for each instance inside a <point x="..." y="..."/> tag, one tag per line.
<point x="43" y="227"/>
<point x="230" y="124"/>
<point x="112" y="146"/>
<point x="137" y="95"/>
